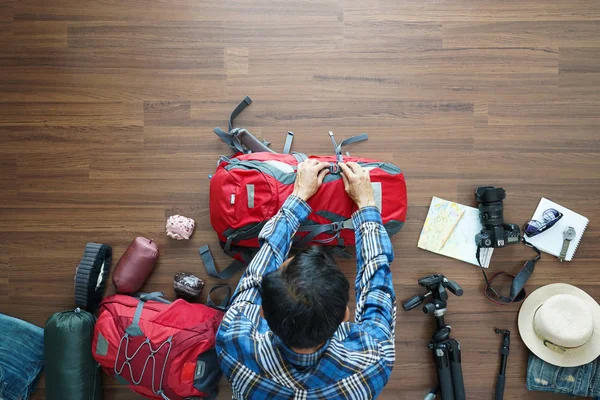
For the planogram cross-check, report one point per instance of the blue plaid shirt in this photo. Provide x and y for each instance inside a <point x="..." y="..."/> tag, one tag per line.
<point x="354" y="364"/>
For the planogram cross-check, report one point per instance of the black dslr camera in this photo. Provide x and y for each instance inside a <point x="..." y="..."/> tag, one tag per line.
<point x="491" y="213"/>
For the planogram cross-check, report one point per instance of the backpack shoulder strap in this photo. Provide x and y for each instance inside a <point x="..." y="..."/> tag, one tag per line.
<point x="238" y="110"/>
<point x="230" y="137"/>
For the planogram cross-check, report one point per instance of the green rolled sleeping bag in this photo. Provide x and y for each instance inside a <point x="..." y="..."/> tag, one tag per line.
<point x="71" y="371"/>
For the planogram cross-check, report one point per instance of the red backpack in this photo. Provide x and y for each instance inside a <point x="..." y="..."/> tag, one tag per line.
<point x="161" y="350"/>
<point x="248" y="189"/>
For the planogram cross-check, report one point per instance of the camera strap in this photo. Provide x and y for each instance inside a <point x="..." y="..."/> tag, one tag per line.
<point x="517" y="287"/>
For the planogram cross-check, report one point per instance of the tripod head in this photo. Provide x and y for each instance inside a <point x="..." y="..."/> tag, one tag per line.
<point x="436" y="286"/>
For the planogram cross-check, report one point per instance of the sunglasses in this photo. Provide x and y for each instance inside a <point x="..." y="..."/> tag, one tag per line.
<point x="551" y="217"/>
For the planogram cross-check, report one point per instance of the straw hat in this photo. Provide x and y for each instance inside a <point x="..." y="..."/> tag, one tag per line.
<point x="560" y="324"/>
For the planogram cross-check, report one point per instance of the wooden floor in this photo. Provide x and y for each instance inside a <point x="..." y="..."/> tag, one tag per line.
<point x="107" y="109"/>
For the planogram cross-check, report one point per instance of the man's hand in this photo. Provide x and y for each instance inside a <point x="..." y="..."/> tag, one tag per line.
<point x="309" y="178"/>
<point x="357" y="183"/>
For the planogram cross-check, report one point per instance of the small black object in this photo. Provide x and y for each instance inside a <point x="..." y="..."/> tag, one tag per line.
<point x="334" y="168"/>
<point x="446" y="350"/>
<point x="91" y="274"/>
<point x="504" y="351"/>
<point x="550" y="218"/>
<point x="187" y="286"/>
<point x="495" y="233"/>
<point x="432" y="394"/>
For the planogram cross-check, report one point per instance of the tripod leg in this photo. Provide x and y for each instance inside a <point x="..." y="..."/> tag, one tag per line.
<point x="442" y="363"/>
<point x="456" y="368"/>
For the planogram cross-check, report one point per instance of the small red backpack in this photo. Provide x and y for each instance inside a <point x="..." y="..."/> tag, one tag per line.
<point x="161" y="350"/>
<point x="250" y="187"/>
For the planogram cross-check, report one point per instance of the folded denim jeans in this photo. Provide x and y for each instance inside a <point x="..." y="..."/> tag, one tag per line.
<point x="576" y="381"/>
<point x="21" y="357"/>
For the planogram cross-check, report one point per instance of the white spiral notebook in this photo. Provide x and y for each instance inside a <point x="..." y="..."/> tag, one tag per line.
<point x="551" y="240"/>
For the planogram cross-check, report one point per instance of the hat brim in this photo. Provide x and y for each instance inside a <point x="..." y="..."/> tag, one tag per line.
<point x="571" y="357"/>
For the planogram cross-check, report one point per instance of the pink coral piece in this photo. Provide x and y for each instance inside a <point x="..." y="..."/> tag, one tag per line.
<point x="180" y="227"/>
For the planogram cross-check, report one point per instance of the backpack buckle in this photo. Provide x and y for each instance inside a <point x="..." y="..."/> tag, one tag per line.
<point x="337" y="226"/>
<point x="334" y="168"/>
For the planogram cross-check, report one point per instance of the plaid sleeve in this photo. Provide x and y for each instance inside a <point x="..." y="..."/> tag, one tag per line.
<point x="375" y="297"/>
<point x="276" y="240"/>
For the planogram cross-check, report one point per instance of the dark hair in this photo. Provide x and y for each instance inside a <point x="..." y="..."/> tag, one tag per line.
<point x="305" y="302"/>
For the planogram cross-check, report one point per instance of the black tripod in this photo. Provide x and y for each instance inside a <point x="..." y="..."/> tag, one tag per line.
<point x="446" y="350"/>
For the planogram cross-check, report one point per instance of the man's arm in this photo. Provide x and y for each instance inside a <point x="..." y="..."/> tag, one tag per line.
<point x="276" y="240"/>
<point x="276" y="236"/>
<point x="375" y="297"/>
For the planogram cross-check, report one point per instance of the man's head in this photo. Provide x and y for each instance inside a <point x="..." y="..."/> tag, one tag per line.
<point x="304" y="302"/>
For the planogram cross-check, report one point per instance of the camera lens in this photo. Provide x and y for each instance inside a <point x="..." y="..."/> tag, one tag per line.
<point x="489" y="194"/>
<point x="491" y="214"/>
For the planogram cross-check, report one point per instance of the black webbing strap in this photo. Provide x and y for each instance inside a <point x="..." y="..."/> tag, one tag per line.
<point x="211" y="269"/>
<point x="224" y="303"/>
<point x="316" y="230"/>
<point x="230" y="137"/>
<point x="287" y="147"/>
<point x="517" y="287"/>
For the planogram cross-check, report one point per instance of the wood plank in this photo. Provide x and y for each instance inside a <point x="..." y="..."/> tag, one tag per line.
<point x="579" y="73"/>
<point x="118" y="58"/>
<point x="70" y="114"/>
<point x="90" y="193"/>
<point x="159" y="113"/>
<point x="520" y="33"/>
<point x="561" y="113"/>
<point x="532" y="138"/>
<point x="7" y="12"/>
<point x="205" y="34"/>
<point x="233" y="11"/>
<point x="22" y="139"/>
<point x="510" y="10"/>
<point x="147" y="165"/>
<point x="146" y="219"/>
<point x="38" y="35"/>
<point x="579" y="34"/>
<point x="493" y="34"/>
<point x="107" y="86"/>
<point x="8" y="178"/>
<point x="54" y="164"/>
<point x="4" y="279"/>
<point x="392" y="36"/>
